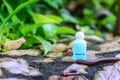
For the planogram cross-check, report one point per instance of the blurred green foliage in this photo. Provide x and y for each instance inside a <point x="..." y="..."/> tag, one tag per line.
<point x="46" y="21"/>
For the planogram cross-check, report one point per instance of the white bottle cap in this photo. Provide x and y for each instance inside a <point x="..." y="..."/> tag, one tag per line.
<point x="79" y="35"/>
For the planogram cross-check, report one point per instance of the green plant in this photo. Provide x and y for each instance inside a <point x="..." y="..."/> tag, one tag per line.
<point x="40" y="29"/>
<point x="46" y="21"/>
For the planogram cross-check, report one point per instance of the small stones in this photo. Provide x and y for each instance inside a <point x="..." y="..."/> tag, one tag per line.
<point x="29" y="52"/>
<point x="56" y="61"/>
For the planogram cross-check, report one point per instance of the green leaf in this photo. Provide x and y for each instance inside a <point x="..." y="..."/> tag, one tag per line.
<point x="88" y="13"/>
<point x="52" y="3"/>
<point x="15" y="19"/>
<point x="49" y="29"/>
<point x="56" y="18"/>
<point x="6" y="28"/>
<point x="65" y="30"/>
<point x="111" y="18"/>
<point x="85" y="29"/>
<point x="67" y="16"/>
<point x="30" y="41"/>
<point x="21" y="6"/>
<point x="46" y="45"/>
<point x="50" y="32"/>
<point x="44" y="19"/>
<point x="1" y="17"/>
<point x="27" y="28"/>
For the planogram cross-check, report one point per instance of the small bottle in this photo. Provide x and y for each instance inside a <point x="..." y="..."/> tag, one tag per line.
<point x="79" y="47"/>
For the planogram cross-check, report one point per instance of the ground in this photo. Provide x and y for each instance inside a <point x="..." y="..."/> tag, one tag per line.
<point x="55" y="62"/>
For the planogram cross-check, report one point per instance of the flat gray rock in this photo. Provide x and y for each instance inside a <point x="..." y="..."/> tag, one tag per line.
<point x="78" y="67"/>
<point x="11" y="79"/>
<point x="18" y="66"/>
<point x="29" y="52"/>
<point x="109" y="72"/>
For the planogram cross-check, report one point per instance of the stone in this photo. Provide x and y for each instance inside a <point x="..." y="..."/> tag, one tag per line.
<point x="106" y="48"/>
<point x="13" y="44"/>
<point x="72" y="78"/>
<point x="117" y="56"/>
<point x="11" y="79"/>
<point x="81" y="78"/>
<point x="94" y="39"/>
<point x="79" y="68"/>
<point x="109" y="73"/>
<point x="109" y="47"/>
<point x="19" y="66"/>
<point x="91" y="55"/>
<point x="59" y="47"/>
<point x="54" y="55"/>
<point x="67" y="59"/>
<point x="1" y="73"/>
<point x="29" y="52"/>
<point x="54" y="77"/>
<point x="92" y="46"/>
<point x="67" y="78"/>
<point x="47" y="60"/>
<point x="70" y="44"/>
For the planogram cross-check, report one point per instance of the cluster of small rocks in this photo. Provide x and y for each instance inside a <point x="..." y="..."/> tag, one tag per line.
<point x="21" y="66"/>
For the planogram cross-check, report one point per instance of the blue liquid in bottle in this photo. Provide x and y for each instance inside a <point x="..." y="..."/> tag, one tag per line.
<point x="79" y="47"/>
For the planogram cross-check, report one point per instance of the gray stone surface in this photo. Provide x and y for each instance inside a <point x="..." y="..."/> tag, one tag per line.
<point x="109" y="72"/>
<point x="29" y="52"/>
<point x="11" y="79"/>
<point x="79" y="68"/>
<point x="18" y="66"/>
